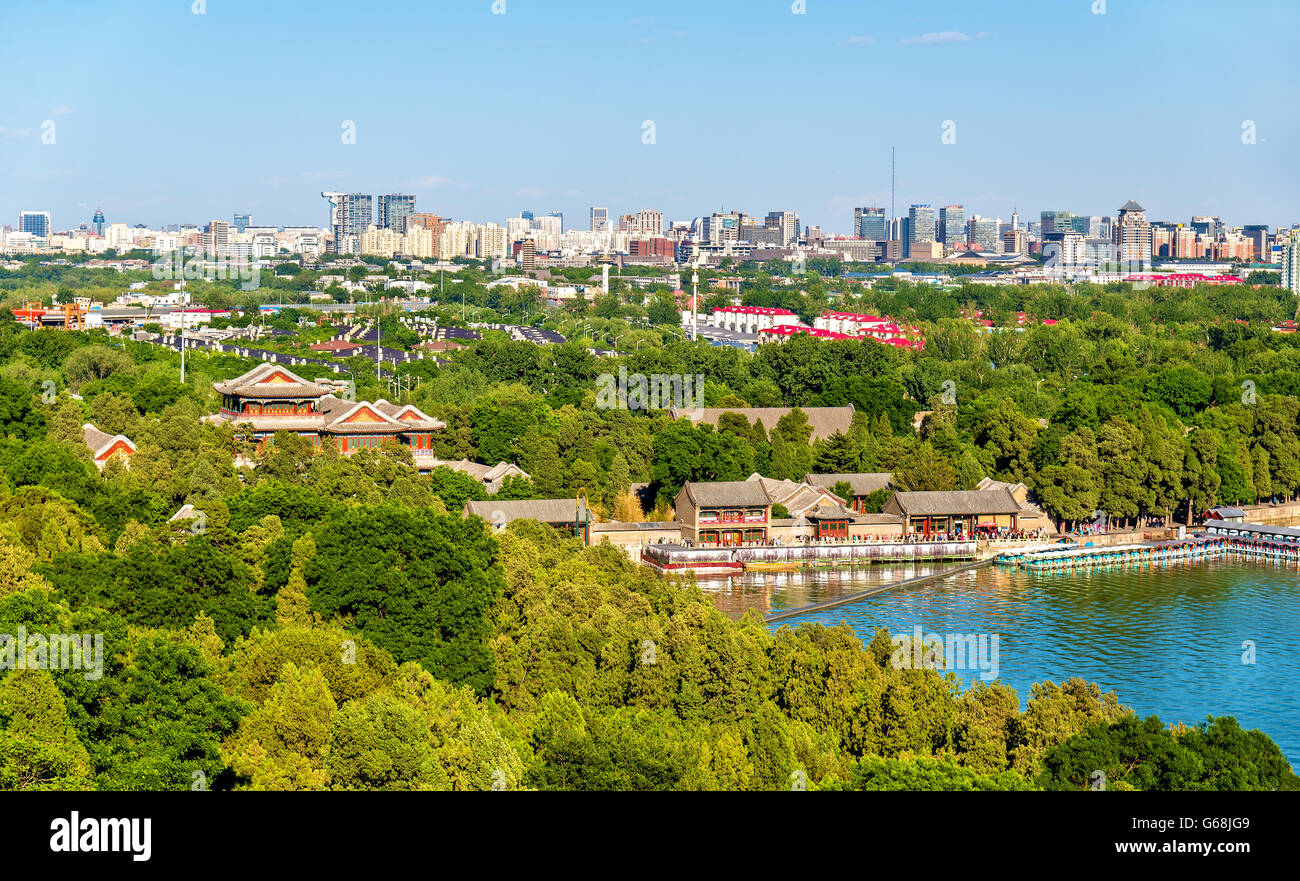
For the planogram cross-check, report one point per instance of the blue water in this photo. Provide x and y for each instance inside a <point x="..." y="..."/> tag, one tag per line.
<point x="1169" y="639"/>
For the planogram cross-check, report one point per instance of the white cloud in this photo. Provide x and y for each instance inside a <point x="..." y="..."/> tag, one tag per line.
<point x="61" y="110"/>
<point x="14" y="134"/>
<point x="856" y="40"/>
<point x="529" y="192"/>
<point x="941" y="37"/>
<point x="431" y="180"/>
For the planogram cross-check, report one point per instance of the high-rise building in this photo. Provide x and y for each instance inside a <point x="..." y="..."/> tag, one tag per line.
<point x="952" y="226"/>
<point x="1182" y="243"/>
<point x="35" y="222"/>
<point x="421" y="242"/>
<point x="98" y="220"/>
<point x="1131" y="235"/>
<point x="457" y="240"/>
<point x="491" y="242"/>
<point x="984" y="233"/>
<point x="719" y="228"/>
<point x="560" y="215"/>
<point x="920" y="226"/>
<point x="242" y="222"/>
<point x="1055" y="221"/>
<point x="1291" y="262"/>
<point x="870" y="223"/>
<point x="526" y="215"/>
<point x="1013" y="240"/>
<point x="350" y="215"/>
<point x="785" y="221"/>
<point x="548" y="236"/>
<point x="650" y="222"/>
<point x="1258" y="235"/>
<point x="393" y="209"/>
<point x="1207" y="226"/>
<point x="1064" y="251"/>
<point x="1015" y="219"/>
<point x="599" y="219"/>
<point x="431" y="222"/>
<point x="378" y="242"/>
<point x="216" y="241"/>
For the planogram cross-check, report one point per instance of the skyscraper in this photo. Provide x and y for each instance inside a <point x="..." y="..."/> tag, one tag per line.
<point x="1131" y="236"/>
<point x="1291" y="262"/>
<point x="870" y="223"/>
<point x="98" y="220"/>
<point x="242" y="222"/>
<point x="599" y="219"/>
<point x="787" y="222"/>
<point x="952" y="226"/>
<point x="35" y="222"/>
<point x="985" y="234"/>
<point x="1207" y="226"/>
<point x="350" y="214"/>
<point x="1258" y="235"/>
<point x="559" y="214"/>
<point x="920" y="225"/>
<point x="393" y="211"/>
<point x="216" y="241"/>
<point x="1055" y="221"/>
<point x="650" y="221"/>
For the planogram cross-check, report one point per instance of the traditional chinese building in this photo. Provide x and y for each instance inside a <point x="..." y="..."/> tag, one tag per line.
<point x="728" y="512"/>
<point x="959" y="512"/>
<point x="570" y="516"/>
<point x="271" y="398"/>
<point x="103" y="446"/>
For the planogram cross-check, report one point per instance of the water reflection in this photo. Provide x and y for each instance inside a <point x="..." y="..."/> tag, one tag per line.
<point x="775" y="591"/>
<point x="1168" y="638"/>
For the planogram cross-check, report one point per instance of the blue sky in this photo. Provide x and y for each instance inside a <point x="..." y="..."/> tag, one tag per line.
<point x="164" y="116"/>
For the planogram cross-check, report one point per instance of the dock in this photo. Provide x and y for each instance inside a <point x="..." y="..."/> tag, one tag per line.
<point x="673" y="559"/>
<point x="1143" y="553"/>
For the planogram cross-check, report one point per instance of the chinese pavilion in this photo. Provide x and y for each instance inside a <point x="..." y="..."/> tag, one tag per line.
<point x="271" y="398"/>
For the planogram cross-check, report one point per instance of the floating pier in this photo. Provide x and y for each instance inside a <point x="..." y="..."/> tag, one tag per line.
<point x="1199" y="548"/>
<point x="677" y="559"/>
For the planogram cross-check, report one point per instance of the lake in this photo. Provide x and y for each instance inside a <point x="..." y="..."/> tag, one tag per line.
<point x="1168" y="639"/>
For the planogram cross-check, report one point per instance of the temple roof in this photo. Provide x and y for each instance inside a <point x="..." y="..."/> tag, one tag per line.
<point x="100" y="441"/>
<point x="268" y="380"/>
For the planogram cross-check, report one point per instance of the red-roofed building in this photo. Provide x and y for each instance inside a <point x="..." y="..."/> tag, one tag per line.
<point x="752" y="319"/>
<point x="270" y="398"/>
<point x="338" y="347"/>
<point x="1182" y="280"/>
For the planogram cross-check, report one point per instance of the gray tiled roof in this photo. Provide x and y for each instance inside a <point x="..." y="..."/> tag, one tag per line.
<point x="726" y="492"/>
<point x="863" y="482"/>
<point x="960" y="502"/>
<point x="545" y="510"/>
<point x="824" y="421"/>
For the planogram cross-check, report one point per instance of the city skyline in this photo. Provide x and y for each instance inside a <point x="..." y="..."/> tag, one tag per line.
<point x="851" y="228"/>
<point x="1031" y="122"/>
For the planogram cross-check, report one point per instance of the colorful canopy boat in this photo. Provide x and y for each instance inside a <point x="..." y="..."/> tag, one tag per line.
<point x="1196" y="548"/>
